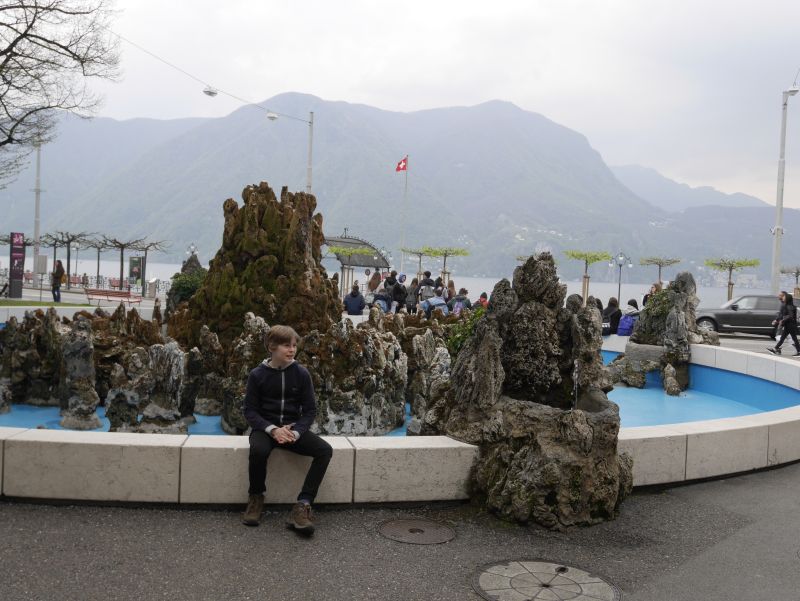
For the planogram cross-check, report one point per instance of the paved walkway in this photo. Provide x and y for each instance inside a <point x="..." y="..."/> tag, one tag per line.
<point x="733" y="540"/>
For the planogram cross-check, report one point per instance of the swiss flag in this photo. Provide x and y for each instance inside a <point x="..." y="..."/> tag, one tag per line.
<point x="402" y="165"/>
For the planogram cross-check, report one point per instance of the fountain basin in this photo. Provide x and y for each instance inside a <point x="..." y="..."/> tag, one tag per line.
<point x="105" y="466"/>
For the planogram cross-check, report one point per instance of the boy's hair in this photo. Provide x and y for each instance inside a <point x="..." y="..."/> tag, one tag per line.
<point x="280" y="335"/>
<point x="427" y="274"/>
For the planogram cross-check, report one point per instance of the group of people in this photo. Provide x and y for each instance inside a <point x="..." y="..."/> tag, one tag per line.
<point x="426" y="295"/>
<point x="621" y="321"/>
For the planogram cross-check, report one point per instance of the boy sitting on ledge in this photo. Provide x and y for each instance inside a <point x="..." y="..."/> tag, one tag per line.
<point x="280" y="407"/>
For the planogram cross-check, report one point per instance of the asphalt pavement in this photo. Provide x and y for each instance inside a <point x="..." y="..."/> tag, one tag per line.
<point x="729" y="539"/>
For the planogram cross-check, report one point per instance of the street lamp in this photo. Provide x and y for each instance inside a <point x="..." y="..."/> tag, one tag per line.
<point x="272" y="116"/>
<point x="777" y="231"/>
<point x="619" y="261"/>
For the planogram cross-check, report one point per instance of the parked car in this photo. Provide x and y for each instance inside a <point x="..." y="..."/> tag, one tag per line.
<point x="749" y="314"/>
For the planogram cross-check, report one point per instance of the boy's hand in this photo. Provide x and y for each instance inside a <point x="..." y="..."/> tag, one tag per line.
<point x="283" y="435"/>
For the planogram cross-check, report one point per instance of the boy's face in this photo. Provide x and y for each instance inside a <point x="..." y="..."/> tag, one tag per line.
<point x="283" y="354"/>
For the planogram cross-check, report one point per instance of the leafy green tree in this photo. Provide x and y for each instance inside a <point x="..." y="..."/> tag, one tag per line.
<point x="731" y="265"/>
<point x="660" y="261"/>
<point x="184" y="285"/>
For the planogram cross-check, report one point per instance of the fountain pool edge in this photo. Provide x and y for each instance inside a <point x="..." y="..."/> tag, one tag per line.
<point x="106" y="466"/>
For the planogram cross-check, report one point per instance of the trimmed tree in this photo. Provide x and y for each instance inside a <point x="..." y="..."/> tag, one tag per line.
<point x="661" y="262"/>
<point x="588" y="257"/>
<point x="419" y="253"/>
<point x="731" y="265"/>
<point x="444" y="252"/>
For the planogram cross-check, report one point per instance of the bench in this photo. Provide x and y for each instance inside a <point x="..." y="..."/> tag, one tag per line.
<point x="99" y="294"/>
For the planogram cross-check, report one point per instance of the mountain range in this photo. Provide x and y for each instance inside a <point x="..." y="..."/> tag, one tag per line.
<point x="493" y="178"/>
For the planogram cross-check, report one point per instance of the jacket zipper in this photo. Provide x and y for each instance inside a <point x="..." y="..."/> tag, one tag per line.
<point x="283" y="388"/>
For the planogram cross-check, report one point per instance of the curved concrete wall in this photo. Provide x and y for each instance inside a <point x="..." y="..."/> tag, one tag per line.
<point x="703" y="449"/>
<point x="111" y="466"/>
<point x="58" y="464"/>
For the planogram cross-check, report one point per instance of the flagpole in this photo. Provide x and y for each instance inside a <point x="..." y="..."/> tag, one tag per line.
<point x="403" y="221"/>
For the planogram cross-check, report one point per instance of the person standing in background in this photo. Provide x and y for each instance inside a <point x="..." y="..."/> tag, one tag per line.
<point x="56" y="279"/>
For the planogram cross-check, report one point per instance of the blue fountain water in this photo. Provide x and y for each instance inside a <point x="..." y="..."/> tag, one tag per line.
<point x="714" y="393"/>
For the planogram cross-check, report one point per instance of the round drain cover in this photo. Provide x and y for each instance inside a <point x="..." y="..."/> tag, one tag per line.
<point x="418" y="532"/>
<point x="533" y="579"/>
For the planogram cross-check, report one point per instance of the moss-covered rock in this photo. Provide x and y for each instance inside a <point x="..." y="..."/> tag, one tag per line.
<point x="269" y="264"/>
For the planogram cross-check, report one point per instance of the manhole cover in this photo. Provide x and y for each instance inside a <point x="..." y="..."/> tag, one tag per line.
<point x="418" y="532"/>
<point x="529" y="580"/>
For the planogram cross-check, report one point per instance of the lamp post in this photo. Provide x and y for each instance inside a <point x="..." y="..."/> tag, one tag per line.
<point x="75" y="248"/>
<point x="272" y="116"/>
<point x="777" y="231"/>
<point x="619" y="261"/>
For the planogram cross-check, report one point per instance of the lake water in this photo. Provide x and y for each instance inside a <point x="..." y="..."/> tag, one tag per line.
<point x="709" y="297"/>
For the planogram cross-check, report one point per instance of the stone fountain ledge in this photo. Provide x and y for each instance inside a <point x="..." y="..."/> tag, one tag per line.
<point x="89" y="466"/>
<point x="717" y="447"/>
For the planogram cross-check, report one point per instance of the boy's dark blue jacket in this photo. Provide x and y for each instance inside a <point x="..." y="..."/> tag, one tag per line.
<point x="280" y="396"/>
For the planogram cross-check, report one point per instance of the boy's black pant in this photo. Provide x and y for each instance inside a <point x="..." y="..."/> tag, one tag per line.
<point x="309" y="445"/>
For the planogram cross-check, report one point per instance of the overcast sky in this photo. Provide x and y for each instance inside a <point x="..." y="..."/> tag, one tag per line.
<point x="691" y="88"/>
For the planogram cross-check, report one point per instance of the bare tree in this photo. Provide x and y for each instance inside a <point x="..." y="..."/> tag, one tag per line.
<point x="157" y="246"/>
<point x="99" y="245"/>
<point x="122" y="246"/>
<point x="48" y="50"/>
<point x="65" y="240"/>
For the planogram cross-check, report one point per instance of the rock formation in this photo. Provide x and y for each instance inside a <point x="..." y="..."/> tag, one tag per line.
<point x="30" y="364"/>
<point x="177" y="294"/>
<point x="662" y="337"/>
<point x="269" y="264"/>
<point x="528" y="388"/>
<point x="79" y="399"/>
<point x="359" y="377"/>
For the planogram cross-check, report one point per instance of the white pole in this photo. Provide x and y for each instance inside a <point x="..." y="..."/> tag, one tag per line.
<point x="37" y="202"/>
<point x="310" y="147"/>
<point x="777" y="232"/>
<point x="403" y="221"/>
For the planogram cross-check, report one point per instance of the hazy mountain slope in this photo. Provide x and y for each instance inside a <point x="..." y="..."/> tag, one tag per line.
<point x="85" y="153"/>
<point x="498" y="180"/>
<point x="673" y="196"/>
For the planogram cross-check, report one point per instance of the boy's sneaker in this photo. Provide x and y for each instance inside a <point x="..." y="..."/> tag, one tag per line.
<point x="252" y="515"/>
<point x="301" y="518"/>
<point x="774" y="351"/>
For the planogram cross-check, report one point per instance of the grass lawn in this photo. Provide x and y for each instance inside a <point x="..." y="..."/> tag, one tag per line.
<point x="30" y="303"/>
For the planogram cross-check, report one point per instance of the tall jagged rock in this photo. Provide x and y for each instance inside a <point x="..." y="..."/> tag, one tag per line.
<point x="662" y="338"/>
<point x="528" y="388"/>
<point x="31" y="357"/>
<point x="269" y="264"/>
<point x="79" y="400"/>
<point x="177" y="294"/>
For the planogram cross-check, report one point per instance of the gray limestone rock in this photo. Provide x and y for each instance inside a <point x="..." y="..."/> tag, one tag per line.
<point x="359" y="376"/>
<point x="667" y="324"/>
<point x="546" y="455"/>
<point x="79" y="400"/>
<point x="671" y="385"/>
<point x="5" y="395"/>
